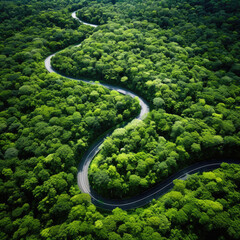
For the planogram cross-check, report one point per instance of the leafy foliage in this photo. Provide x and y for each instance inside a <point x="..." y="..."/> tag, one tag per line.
<point x="183" y="56"/>
<point x="178" y="55"/>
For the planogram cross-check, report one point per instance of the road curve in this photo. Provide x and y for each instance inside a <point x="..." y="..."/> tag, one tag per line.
<point x="159" y="189"/>
<point x="75" y="17"/>
<point x="150" y="194"/>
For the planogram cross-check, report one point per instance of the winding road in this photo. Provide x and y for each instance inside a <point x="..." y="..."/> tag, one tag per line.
<point x="150" y="194"/>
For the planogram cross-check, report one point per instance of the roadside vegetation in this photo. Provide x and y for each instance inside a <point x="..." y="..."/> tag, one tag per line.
<point x="182" y="56"/>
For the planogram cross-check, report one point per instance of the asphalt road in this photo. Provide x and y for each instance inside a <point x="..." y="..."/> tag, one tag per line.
<point x="156" y="191"/>
<point x="146" y="197"/>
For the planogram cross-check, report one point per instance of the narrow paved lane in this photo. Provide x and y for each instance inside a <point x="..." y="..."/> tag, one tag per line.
<point x="158" y="190"/>
<point x="150" y="194"/>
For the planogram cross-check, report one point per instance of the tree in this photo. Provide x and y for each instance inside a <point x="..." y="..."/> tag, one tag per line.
<point x="66" y="155"/>
<point x="158" y="102"/>
<point x="101" y="179"/>
<point x="233" y="229"/>
<point x="61" y="208"/>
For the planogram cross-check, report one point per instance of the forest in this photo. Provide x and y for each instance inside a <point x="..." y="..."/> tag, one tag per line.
<point x="187" y="69"/>
<point x="182" y="56"/>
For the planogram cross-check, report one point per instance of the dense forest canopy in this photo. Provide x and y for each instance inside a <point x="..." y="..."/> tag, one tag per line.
<point x="183" y="58"/>
<point x="180" y="55"/>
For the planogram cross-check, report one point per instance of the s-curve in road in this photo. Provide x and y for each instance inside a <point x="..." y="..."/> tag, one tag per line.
<point x="83" y="182"/>
<point x="152" y="193"/>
